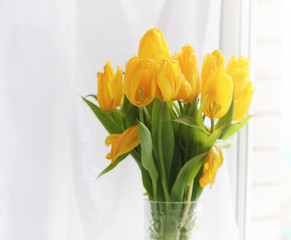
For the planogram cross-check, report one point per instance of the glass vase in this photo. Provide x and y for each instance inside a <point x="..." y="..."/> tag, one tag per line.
<point x="172" y="220"/>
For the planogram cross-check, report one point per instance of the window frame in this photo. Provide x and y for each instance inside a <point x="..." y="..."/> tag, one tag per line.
<point x="236" y="38"/>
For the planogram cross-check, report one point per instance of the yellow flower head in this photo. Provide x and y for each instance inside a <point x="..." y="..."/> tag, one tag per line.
<point x="110" y="89"/>
<point x="169" y="79"/>
<point x="211" y="63"/>
<point x="140" y="81"/>
<point x="122" y="143"/>
<point x="153" y="44"/>
<point x="219" y="89"/>
<point x="189" y="67"/>
<point x="243" y="89"/>
<point x="211" y="165"/>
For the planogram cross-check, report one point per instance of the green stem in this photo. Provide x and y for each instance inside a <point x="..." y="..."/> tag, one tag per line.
<point x="140" y="111"/>
<point x="181" y="107"/>
<point x="186" y="209"/>
<point x="212" y="125"/>
<point x="192" y="106"/>
<point x="189" y="192"/>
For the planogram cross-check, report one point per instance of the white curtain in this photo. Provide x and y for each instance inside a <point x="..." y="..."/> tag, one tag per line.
<point x="52" y="146"/>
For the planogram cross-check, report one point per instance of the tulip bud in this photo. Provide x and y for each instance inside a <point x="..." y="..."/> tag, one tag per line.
<point x="140" y="81"/>
<point x="153" y="44"/>
<point x="168" y="79"/>
<point x="220" y="90"/>
<point x="110" y="89"/>
<point x="189" y="67"/>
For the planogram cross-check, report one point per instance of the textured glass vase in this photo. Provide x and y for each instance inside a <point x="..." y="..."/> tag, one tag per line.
<point x="172" y="221"/>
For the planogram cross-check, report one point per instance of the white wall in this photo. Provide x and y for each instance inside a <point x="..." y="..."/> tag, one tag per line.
<point x="265" y="219"/>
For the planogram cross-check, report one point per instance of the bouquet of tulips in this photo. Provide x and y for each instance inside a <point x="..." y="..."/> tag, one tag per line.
<point x="172" y="119"/>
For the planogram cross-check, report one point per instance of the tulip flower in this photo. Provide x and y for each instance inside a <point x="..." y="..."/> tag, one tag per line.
<point x="243" y="102"/>
<point x="211" y="63"/>
<point x="243" y="89"/>
<point x="153" y="44"/>
<point x="110" y="89"/>
<point x="189" y="67"/>
<point x="169" y="79"/>
<point x="211" y="165"/>
<point x="122" y="143"/>
<point x="220" y="90"/>
<point x="140" y="81"/>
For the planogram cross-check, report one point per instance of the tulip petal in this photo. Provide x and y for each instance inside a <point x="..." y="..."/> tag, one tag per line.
<point x="168" y="79"/>
<point x="243" y="89"/>
<point x="212" y="163"/>
<point x="122" y="143"/>
<point x="152" y="44"/>
<point x="211" y="63"/>
<point x="189" y="68"/>
<point x="243" y="103"/>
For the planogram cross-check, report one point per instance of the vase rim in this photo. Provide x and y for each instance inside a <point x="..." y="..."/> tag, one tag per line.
<point x="165" y="202"/>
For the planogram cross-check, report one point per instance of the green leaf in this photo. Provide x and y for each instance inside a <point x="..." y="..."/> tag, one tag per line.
<point x="202" y="141"/>
<point x="227" y="118"/>
<point x="147" y="159"/>
<point x="146" y="180"/>
<point x="163" y="141"/>
<point x="154" y="125"/>
<point x="92" y="95"/>
<point x="164" y="135"/>
<point x="232" y="129"/>
<point x="189" y="121"/>
<point x="197" y="189"/>
<point x="212" y="138"/>
<point x="112" y="165"/>
<point x="176" y="165"/>
<point x="185" y="176"/>
<point x="105" y="118"/>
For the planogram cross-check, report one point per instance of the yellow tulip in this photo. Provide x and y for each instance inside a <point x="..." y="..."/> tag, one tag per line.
<point x="189" y="67"/>
<point x="153" y="44"/>
<point x="140" y="81"/>
<point x="211" y="63"/>
<point x="243" y="102"/>
<point x="110" y="89"/>
<point x="211" y="165"/>
<point x="169" y="79"/>
<point x="243" y="89"/>
<point x="220" y="90"/>
<point x="122" y="143"/>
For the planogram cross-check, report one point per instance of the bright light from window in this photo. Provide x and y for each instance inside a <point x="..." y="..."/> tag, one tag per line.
<point x="285" y="127"/>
